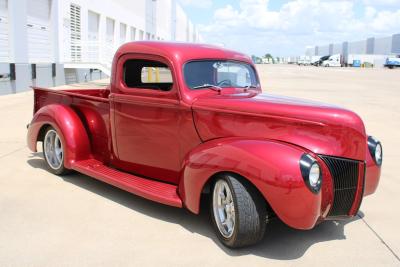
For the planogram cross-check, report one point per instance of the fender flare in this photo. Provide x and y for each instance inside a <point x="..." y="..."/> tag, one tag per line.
<point x="271" y="166"/>
<point x="70" y="128"/>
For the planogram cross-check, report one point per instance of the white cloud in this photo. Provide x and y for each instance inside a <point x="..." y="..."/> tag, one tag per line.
<point x="227" y="15"/>
<point x="197" y="3"/>
<point x="382" y="3"/>
<point x="253" y="28"/>
<point x="370" y="12"/>
<point x="386" y="20"/>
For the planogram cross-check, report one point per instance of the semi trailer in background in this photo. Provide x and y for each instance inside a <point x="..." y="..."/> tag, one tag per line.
<point x="304" y="60"/>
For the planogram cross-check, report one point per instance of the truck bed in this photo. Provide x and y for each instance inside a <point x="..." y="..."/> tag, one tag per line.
<point x="98" y="84"/>
<point x="96" y="91"/>
<point x="92" y="106"/>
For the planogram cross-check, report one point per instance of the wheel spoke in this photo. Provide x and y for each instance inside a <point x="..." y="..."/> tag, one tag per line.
<point x="229" y="197"/>
<point x="58" y="153"/>
<point x="222" y="196"/>
<point x="54" y="157"/>
<point x="228" y="225"/>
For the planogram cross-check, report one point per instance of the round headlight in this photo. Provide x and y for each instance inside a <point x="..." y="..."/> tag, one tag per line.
<point x="311" y="172"/>
<point x="314" y="175"/>
<point x="375" y="149"/>
<point x="378" y="153"/>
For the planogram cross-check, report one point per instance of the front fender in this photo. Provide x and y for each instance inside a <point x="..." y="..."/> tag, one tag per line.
<point x="68" y="125"/>
<point x="272" y="167"/>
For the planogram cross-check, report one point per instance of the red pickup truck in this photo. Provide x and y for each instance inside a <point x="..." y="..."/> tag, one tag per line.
<point x="181" y="120"/>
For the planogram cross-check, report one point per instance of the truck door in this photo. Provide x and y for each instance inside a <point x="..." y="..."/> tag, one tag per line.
<point x="144" y="118"/>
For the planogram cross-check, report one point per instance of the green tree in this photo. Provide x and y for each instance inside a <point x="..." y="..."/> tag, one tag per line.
<point x="269" y="56"/>
<point x="256" y="59"/>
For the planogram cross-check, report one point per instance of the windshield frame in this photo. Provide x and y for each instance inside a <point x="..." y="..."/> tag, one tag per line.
<point x="257" y="80"/>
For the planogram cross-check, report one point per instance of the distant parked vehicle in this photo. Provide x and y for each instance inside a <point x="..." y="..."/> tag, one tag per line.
<point x="333" y="61"/>
<point x="321" y="59"/>
<point x="392" y="62"/>
<point x="303" y="61"/>
<point x="267" y="60"/>
<point x="314" y="60"/>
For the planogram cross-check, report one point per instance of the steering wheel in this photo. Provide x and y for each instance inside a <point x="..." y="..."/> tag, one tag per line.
<point x="225" y="82"/>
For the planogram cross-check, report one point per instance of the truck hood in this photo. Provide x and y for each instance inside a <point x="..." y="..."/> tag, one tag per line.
<point x="318" y="127"/>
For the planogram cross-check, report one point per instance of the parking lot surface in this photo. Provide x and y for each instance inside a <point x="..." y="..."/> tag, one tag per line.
<point x="46" y="220"/>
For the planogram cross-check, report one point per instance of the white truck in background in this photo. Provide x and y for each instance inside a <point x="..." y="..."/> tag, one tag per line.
<point x="303" y="60"/>
<point x="333" y="61"/>
<point x="392" y="62"/>
<point x="314" y="60"/>
<point x="292" y="60"/>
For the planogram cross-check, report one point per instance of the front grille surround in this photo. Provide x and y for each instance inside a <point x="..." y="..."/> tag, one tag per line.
<point x="345" y="178"/>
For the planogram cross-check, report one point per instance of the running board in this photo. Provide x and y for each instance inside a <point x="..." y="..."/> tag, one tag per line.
<point x="154" y="190"/>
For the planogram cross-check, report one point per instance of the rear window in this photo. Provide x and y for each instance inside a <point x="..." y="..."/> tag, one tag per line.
<point x="156" y="75"/>
<point x="146" y="74"/>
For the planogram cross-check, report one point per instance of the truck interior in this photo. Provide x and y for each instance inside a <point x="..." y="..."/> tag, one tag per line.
<point x="146" y="74"/>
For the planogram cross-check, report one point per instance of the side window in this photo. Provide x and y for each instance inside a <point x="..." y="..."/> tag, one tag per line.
<point x="147" y="74"/>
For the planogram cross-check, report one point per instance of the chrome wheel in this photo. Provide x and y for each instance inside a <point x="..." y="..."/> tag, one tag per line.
<point x="224" y="208"/>
<point x="53" y="149"/>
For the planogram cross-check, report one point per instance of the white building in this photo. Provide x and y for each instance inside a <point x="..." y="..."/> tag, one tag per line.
<point x="53" y="42"/>
<point x="372" y="50"/>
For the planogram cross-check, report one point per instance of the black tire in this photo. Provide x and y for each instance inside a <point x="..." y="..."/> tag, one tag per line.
<point x="60" y="170"/>
<point x="250" y="213"/>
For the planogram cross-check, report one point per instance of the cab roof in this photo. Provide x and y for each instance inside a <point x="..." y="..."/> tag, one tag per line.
<point x="181" y="52"/>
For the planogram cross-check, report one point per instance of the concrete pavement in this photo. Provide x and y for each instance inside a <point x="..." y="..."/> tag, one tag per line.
<point x="47" y="220"/>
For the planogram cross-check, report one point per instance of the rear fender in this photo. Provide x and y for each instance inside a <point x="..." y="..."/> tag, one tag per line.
<point x="68" y="125"/>
<point x="272" y="167"/>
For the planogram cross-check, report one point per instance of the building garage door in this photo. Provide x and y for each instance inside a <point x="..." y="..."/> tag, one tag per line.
<point x="109" y="48"/>
<point x="122" y="33"/>
<point x="93" y="37"/>
<point x="4" y="44"/>
<point x="38" y="23"/>
<point x="110" y="32"/>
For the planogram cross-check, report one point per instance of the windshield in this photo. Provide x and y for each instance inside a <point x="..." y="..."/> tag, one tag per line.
<point x="200" y="74"/>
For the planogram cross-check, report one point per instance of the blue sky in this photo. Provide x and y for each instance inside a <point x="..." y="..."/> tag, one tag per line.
<point x="285" y="28"/>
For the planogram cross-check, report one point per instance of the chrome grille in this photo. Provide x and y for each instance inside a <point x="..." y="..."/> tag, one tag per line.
<point x="345" y="173"/>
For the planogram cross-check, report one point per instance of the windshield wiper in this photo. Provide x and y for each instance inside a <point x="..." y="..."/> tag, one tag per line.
<point x="210" y="86"/>
<point x="248" y="87"/>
